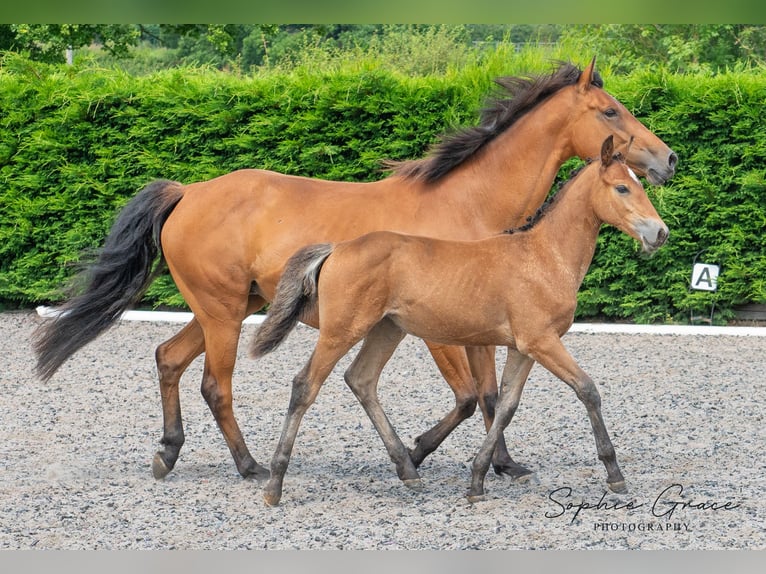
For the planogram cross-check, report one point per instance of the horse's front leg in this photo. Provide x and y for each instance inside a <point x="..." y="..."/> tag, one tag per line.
<point x="515" y="374"/>
<point x="453" y="365"/>
<point x="482" y="362"/>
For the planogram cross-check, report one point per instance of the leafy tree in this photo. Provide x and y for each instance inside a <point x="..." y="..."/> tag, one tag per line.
<point x="49" y="42"/>
<point x="681" y="47"/>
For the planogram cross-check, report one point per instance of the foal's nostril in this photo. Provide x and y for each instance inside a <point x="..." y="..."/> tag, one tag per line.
<point x="672" y="160"/>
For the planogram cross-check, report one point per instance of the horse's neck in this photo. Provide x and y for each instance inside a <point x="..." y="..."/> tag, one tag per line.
<point x="568" y="231"/>
<point x="511" y="177"/>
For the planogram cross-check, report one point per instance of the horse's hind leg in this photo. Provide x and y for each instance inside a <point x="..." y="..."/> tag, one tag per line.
<point x="173" y="357"/>
<point x="453" y="365"/>
<point x="362" y="378"/>
<point x="482" y="362"/>
<point x="221" y="340"/>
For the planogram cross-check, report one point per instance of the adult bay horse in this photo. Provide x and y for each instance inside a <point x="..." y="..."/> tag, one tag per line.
<point x="518" y="290"/>
<point x="226" y="241"/>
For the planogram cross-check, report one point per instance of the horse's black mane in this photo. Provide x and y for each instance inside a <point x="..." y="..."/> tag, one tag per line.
<point x="515" y="97"/>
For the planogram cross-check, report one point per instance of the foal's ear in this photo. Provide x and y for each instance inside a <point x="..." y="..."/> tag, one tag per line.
<point x="607" y="151"/>
<point x="586" y="77"/>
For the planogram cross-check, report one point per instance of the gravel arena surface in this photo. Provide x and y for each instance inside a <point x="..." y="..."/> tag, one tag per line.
<point x="686" y="415"/>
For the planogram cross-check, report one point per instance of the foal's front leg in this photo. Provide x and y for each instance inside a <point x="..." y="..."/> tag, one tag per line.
<point x="553" y="356"/>
<point x="515" y="373"/>
<point x="482" y="362"/>
<point x="470" y="373"/>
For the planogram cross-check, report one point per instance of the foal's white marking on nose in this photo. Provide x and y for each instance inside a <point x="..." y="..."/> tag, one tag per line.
<point x="633" y="175"/>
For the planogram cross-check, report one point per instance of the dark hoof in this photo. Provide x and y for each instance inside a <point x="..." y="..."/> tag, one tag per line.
<point x="413" y="484"/>
<point x="618" y="487"/>
<point x="272" y="494"/>
<point x="515" y="471"/>
<point x="472" y="498"/>
<point x="160" y="468"/>
<point x="256" y="471"/>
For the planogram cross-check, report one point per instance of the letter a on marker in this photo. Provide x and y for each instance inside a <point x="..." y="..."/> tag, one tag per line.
<point x="704" y="277"/>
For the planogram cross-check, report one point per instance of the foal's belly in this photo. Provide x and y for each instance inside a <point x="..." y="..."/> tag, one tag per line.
<point x="455" y="328"/>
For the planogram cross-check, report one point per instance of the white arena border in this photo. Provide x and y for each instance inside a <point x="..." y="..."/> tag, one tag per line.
<point x="151" y="316"/>
<point x="185" y="317"/>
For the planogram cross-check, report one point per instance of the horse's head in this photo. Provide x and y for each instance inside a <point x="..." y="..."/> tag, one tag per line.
<point x="596" y="114"/>
<point x="619" y="199"/>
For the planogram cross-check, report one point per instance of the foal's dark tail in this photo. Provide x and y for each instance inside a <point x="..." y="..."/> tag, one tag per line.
<point x="295" y="297"/>
<point x="122" y="271"/>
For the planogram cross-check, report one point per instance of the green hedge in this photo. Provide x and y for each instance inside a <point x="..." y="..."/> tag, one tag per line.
<point x="76" y="145"/>
<point x="715" y="206"/>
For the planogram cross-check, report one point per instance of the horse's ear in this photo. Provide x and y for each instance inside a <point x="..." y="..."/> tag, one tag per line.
<point x="607" y="151"/>
<point x="586" y="77"/>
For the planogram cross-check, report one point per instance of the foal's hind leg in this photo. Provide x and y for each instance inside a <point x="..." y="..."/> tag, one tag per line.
<point x="482" y="362"/>
<point x="306" y="385"/>
<point x="362" y="378"/>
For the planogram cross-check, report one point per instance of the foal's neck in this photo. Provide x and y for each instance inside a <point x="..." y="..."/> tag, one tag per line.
<point x="569" y="228"/>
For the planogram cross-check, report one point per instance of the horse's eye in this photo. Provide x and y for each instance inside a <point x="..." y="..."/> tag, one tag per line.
<point x="610" y="113"/>
<point x="622" y="189"/>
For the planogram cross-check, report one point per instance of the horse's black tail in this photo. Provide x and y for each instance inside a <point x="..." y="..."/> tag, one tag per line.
<point x="117" y="279"/>
<point x="295" y="297"/>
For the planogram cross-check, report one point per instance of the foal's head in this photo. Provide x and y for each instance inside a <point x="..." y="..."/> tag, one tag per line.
<point x="619" y="199"/>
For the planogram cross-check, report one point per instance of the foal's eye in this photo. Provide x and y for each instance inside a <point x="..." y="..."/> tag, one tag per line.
<point x="610" y="112"/>
<point x="622" y="189"/>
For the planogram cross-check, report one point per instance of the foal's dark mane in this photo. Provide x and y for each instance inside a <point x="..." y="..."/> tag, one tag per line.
<point x="515" y="98"/>
<point x="532" y="220"/>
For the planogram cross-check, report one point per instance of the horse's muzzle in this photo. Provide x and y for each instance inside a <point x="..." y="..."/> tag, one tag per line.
<point x="660" y="174"/>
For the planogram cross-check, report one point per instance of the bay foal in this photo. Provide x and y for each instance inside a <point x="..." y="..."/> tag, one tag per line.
<point x="517" y="289"/>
